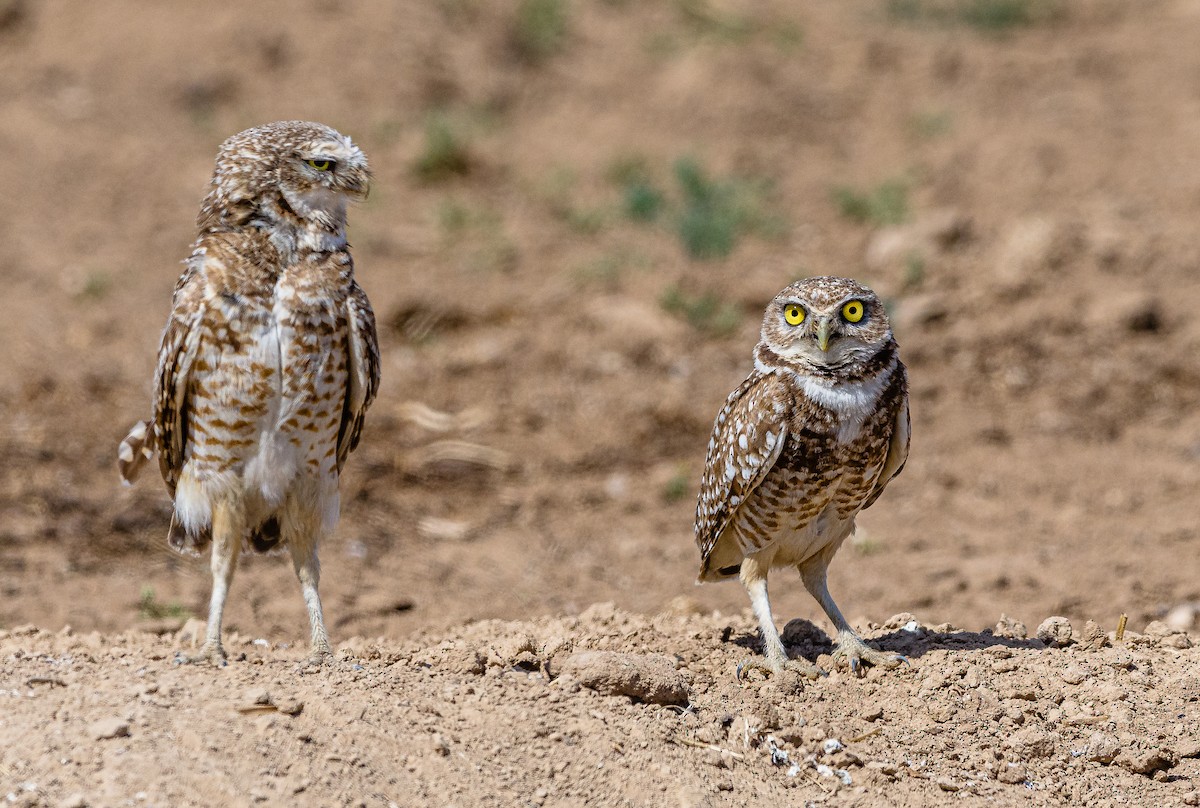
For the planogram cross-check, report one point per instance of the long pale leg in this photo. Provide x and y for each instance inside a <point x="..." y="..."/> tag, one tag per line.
<point x="308" y="570"/>
<point x="849" y="646"/>
<point x="226" y="544"/>
<point x="775" y="660"/>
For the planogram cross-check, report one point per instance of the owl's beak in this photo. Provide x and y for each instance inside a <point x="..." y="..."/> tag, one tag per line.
<point x="357" y="183"/>
<point x="824" y="327"/>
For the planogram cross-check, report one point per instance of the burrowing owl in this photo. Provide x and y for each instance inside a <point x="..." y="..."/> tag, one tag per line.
<point x="268" y="362"/>
<point x="811" y="438"/>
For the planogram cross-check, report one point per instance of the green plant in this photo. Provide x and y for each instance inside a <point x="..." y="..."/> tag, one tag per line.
<point x="446" y="152"/>
<point x="987" y="16"/>
<point x="930" y="124"/>
<point x="150" y="609"/>
<point x="717" y="23"/>
<point x="715" y="214"/>
<point x="605" y="271"/>
<point x="914" y="270"/>
<point x="705" y="312"/>
<point x="678" y="487"/>
<point x="540" y="29"/>
<point x="96" y="285"/>
<point x="885" y="204"/>
<point x="997" y="15"/>
<point x="643" y="201"/>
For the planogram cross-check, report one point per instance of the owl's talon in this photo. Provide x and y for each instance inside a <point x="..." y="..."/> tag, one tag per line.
<point x="210" y="653"/>
<point x="319" y="658"/>
<point x="855" y="652"/>
<point x="768" y="668"/>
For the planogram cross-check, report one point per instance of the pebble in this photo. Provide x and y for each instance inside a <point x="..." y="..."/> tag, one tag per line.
<point x="1074" y="675"/>
<point x="871" y="712"/>
<point x="1032" y="742"/>
<point x="1012" y="774"/>
<point x="1191" y="798"/>
<point x="1102" y="747"/>
<point x="1011" y="628"/>
<point x="110" y="728"/>
<point x="1055" y="631"/>
<point x="1093" y="636"/>
<point x="650" y="678"/>
<point x="946" y="784"/>
<point x="74" y="801"/>
<point x="1146" y="761"/>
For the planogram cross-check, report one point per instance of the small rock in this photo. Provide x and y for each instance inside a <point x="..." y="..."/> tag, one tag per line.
<point x="110" y="728"/>
<point x="1032" y="742"/>
<point x="440" y="745"/>
<point x="1191" y="798"/>
<point x="946" y="784"/>
<point x="256" y="695"/>
<point x="1188" y="748"/>
<point x="650" y="678"/>
<point x="902" y="620"/>
<point x="1074" y="675"/>
<point x="1055" y="631"/>
<point x="1146" y="761"/>
<point x="1164" y="634"/>
<point x="872" y="712"/>
<point x="1102" y="747"/>
<point x="517" y="650"/>
<point x="1093" y="637"/>
<point x="1012" y="774"/>
<point x="74" y="801"/>
<point x="1011" y="628"/>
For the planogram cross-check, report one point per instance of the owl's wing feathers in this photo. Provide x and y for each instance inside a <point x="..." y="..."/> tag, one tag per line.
<point x="176" y="358"/>
<point x="897" y="452"/>
<point x="748" y="436"/>
<point x="364" y="371"/>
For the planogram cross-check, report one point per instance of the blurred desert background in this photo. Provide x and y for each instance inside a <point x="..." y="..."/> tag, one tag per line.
<point x="581" y="208"/>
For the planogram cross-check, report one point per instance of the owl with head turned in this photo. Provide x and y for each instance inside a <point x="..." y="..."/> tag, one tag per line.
<point x="267" y="365"/>
<point x="808" y="441"/>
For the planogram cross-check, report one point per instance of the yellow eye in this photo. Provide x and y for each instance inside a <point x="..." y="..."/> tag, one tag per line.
<point x="853" y="311"/>
<point x="320" y="165"/>
<point x="793" y="314"/>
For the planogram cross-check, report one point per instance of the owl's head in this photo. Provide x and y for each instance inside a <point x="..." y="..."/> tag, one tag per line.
<point x="286" y="171"/>
<point x="825" y="322"/>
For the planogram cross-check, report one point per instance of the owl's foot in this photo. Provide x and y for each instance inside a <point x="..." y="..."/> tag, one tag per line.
<point x="320" y="657"/>
<point x="769" y="667"/>
<point x="211" y="653"/>
<point x="855" y="652"/>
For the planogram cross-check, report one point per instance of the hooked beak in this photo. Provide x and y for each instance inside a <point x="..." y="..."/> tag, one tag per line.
<point x="356" y="183"/>
<point x="824" y="326"/>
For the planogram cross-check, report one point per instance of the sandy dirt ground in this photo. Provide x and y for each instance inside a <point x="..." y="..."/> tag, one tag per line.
<point x="561" y="316"/>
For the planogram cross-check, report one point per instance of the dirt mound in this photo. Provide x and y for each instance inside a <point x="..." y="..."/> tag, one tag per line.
<point x="606" y="708"/>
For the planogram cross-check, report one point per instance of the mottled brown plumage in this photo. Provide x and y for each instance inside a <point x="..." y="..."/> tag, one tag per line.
<point x="808" y="441"/>
<point x="268" y="363"/>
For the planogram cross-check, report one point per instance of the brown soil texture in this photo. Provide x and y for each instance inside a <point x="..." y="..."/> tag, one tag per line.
<point x="1020" y="181"/>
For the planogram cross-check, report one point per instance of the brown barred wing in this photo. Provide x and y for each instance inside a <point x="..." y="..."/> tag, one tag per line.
<point x="747" y="438"/>
<point x="363" y="381"/>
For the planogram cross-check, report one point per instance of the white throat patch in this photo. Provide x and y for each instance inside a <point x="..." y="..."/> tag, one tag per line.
<point x="852" y="402"/>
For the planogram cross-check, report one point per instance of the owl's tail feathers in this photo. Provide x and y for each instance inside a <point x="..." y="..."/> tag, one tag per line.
<point x="134" y="451"/>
